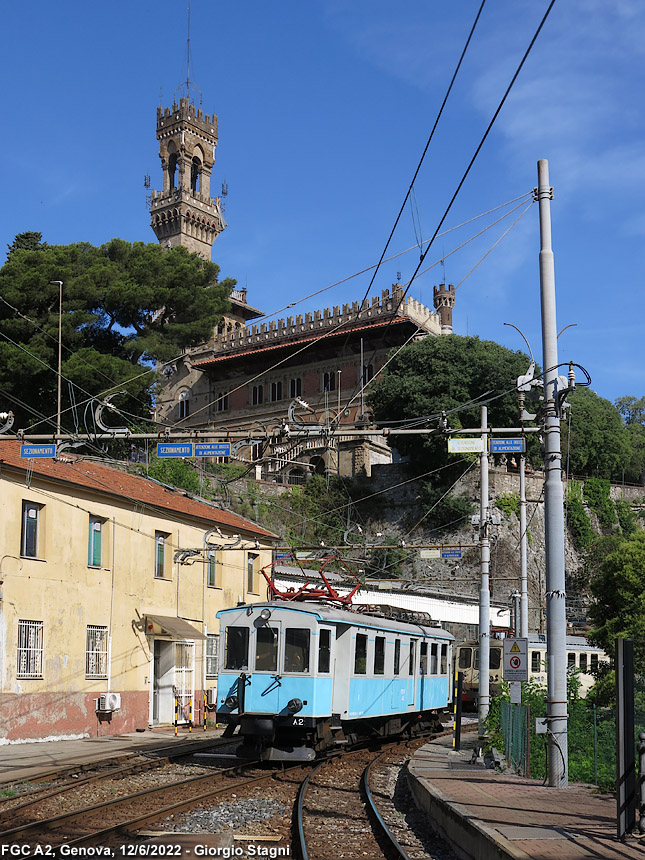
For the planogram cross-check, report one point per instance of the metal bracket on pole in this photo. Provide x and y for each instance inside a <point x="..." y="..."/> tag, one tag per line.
<point x="121" y="432"/>
<point x="8" y="418"/>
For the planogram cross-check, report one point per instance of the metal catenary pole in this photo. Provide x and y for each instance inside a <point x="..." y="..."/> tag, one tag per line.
<point x="484" y="592"/>
<point x="524" y="592"/>
<point x="553" y="503"/>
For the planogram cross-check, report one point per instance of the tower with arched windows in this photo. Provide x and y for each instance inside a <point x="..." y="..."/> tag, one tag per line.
<point x="183" y="212"/>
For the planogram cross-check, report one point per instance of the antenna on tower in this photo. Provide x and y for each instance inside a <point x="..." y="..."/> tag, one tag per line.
<point x="146" y="185"/>
<point x="189" y="83"/>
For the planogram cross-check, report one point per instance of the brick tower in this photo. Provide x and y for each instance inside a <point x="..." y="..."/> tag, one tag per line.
<point x="184" y="213"/>
<point x="444" y="302"/>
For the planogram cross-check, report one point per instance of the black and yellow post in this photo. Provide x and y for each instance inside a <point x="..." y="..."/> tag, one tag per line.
<point x="176" y="714"/>
<point x="204" y="710"/>
<point x="456" y="710"/>
<point x="190" y="714"/>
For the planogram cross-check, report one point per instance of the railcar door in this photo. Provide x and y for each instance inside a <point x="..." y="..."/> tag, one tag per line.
<point x="264" y="694"/>
<point x="412" y="674"/>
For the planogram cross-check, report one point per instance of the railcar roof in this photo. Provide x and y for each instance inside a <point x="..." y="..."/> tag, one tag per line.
<point x="538" y="640"/>
<point x="335" y="615"/>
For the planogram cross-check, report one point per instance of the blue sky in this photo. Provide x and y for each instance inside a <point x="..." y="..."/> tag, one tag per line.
<point x="324" y="110"/>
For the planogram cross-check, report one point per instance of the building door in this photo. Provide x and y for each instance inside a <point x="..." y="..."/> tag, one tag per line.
<point x="163" y="680"/>
<point x="184" y="678"/>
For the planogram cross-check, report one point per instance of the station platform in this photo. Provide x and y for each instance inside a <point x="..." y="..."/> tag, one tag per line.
<point x="488" y="814"/>
<point x="35" y="759"/>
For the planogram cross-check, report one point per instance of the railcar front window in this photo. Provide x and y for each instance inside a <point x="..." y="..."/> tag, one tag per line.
<point x="413" y="655"/>
<point x="379" y="655"/>
<point x="296" y="650"/>
<point x="423" y="659"/>
<point x="236" y="648"/>
<point x="476" y="659"/>
<point x="465" y="658"/>
<point x="324" y="650"/>
<point x="266" y="650"/>
<point x="360" y="654"/>
<point x="434" y="659"/>
<point x="397" y="656"/>
<point x="444" y="660"/>
<point x="495" y="658"/>
<point x="536" y="663"/>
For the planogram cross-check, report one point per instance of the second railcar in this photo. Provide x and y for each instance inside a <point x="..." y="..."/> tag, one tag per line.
<point x="298" y="678"/>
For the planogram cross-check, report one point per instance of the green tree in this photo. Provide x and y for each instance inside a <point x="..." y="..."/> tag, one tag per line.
<point x="598" y="444"/>
<point x="618" y="587"/>
<point x="124" y="305"/>
<point x="441" y="374"/>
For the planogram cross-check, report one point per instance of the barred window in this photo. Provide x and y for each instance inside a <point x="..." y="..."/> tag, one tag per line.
<point x="30" y="649"/>
<point x="211" y="570"/>
<point x="96" y="652"/>
<point x="212" y="655"/>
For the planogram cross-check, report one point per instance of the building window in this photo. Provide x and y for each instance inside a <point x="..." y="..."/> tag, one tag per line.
<point x="295" y="387"/>
<point x="96" y="652"/>
<point x="161" y="539"/>
<point x="184" y="405"/>
<point x="257" y="395"/>
<point x="211" y="570"/>
<point x="329" y="381"/>
<point x="222" y="401"/>
<point x="256" y="451"/>
<point x="368" y="373"/>
<point x="594" y="663"/>
<point x="30" y="649"/>
<point x="212" y="655"/>
<point x="583" y="662"/>
<point x="276" y="391"/>
<point x="29" y="539"/>
<point x="95" y="542"/>
<point x="250" y="572"/>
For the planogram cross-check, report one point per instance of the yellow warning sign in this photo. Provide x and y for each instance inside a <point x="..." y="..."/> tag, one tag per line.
<point x="515" y="649"/>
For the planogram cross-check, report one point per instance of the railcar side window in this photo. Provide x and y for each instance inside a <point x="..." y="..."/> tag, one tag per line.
<point x="324" y="650"/>
<point x="536" y="663"/>
<point x="397" y="656"/>
<point x="495" y="658"/>
<point x="266" y="650"/>
<point x="379" y="655"/>
<point x="444" y="660"/>
<point x="423" y="659"/>
<point x="434" y="662"/>
<point x="360" y="654"/>
<point x="594" y="662"/>
<point x="465" y="658"/>
<point x="476" y="658"/>
<point x="236" y="648"/>
<point x="296" y="650"/>
<point x="412" y="656"/>
<point x="583" y="662"/>
<point x="571" y="660"/>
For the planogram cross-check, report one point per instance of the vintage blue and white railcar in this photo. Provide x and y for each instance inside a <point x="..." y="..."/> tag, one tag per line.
<point x="299" y="677"/>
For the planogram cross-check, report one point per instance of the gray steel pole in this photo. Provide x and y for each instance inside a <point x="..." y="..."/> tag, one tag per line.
<point x="556" y="623"/>
<point x="524" y="594"/>
<point x="484" y="593"/>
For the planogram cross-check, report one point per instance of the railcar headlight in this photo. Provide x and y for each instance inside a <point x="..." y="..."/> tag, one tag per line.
<point x="265" y="614"/>
<point x="231" y="702"/>
<point x="294" y="705"/>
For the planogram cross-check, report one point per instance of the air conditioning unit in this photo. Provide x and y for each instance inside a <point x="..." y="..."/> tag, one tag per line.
<point x="211" y="697"/>
<point x="109" y="702"/>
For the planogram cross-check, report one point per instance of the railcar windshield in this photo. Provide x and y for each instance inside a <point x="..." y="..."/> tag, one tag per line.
<point x="324" y="650"/>
<point x="266" y="649"/>
<point x="236" y="648"/>
<point x="495" y="658"/>
<point x="465" y="658"/>
<point x="296" y="649"/>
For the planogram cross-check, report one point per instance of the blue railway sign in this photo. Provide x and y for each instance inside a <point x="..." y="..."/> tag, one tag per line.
<point x="508" y="446"/>
<point x="174" y="449"/>
<point x="450" y="553"/>
<point x="212" y="449"/>
<point x="33" y="452"/>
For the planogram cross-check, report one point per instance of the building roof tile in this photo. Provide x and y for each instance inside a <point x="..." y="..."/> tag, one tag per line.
<point x="107" y="480"/>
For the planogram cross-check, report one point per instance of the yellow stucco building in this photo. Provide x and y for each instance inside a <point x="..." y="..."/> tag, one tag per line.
<point x="109" y="588"/>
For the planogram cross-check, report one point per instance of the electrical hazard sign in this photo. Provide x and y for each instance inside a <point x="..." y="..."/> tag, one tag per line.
<point x="516" y="659"/>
